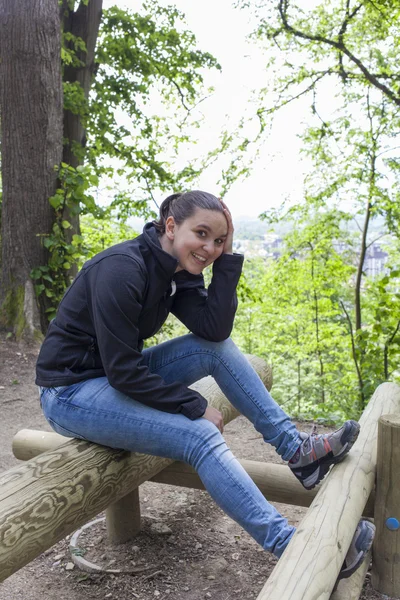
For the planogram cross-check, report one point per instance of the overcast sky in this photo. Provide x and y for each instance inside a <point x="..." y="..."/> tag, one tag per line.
<point x="221" y="30"/>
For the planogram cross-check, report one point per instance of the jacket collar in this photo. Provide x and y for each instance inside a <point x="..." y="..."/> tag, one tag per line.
<point x="165" y="260"/>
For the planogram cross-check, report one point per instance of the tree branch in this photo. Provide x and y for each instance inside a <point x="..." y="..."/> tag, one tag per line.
<point x="354" y="353"/>
<point x="151" y="193"/>
<point x="386" y="351"/>
<point x="339" y="45"/>
<point x="288" y="100"/>
<point x="375" y="240"/>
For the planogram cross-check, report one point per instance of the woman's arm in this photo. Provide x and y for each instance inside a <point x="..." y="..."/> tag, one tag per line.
<point x="115" y="290"/>
<point x="210" y="313"/>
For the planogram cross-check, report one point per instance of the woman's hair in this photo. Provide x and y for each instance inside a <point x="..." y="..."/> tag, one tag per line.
<point x="183" y="206"/>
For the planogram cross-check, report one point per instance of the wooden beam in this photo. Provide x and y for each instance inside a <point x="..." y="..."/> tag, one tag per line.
<point x="310" y="564"/>
<point x="386" y="567"/>
<point x="275" y="481"/>
<point x="55" y="493"/>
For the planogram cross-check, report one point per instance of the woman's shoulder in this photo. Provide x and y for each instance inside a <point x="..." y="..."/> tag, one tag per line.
<point x="126" y="255"/>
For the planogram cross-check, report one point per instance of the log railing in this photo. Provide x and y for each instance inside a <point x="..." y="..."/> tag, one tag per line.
<point x="62" y="487"/>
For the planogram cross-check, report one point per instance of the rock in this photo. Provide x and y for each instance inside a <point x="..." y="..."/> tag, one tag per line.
<point x="211" y="577"/>
<point x="198" y="546"/>
<point x="59" y="556"/>
<point x="157" y="593"/>
<point x="216" y="565"/>
<point x="97" y="540"/>
<point x="135" y="549"/>
<point x="69" y="566"/>
<point x="208" y="595"/>
<point x="160" y="528"/>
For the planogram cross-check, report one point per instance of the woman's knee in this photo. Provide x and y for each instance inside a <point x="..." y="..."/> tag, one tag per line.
<point x="206" y="441"/>
<point x="221" y="350"/>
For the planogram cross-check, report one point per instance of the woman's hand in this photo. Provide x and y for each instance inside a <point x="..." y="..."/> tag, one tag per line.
<point x="228" y="245"/>
<point x="213" y="415"/>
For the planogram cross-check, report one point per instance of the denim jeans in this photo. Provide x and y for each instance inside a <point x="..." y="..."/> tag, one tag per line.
<point x="95" y="411"/>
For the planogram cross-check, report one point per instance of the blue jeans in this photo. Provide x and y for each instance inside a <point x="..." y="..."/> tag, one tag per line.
<point x="95" y="411"/>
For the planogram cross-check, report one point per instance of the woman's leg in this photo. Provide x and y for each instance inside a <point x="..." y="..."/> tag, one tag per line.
<point x="95" y="411"/>
<point x="190" y="358"/>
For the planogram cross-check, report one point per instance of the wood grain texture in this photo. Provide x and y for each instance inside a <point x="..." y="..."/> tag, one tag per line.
<point x="310" y="564"/>
<point x="275" y="481"/>
<point x="48" y="497"/>
<point x="386" y="565"/>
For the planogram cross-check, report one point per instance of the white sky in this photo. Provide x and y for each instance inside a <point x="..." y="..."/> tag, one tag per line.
<point x="278" y="174"/>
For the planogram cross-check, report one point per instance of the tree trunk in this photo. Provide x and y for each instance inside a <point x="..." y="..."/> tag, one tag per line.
<point x="31" y="115"/>
<point x="83" y="23"/>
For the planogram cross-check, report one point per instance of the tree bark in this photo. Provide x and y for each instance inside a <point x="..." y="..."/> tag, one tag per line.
<point x="83" y="23"/>
<point x="31" y="115"/>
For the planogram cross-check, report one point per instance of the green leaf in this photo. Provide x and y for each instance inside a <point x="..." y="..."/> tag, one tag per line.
<point x="39" y="289"/>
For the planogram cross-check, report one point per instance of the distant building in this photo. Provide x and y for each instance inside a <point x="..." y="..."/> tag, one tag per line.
<point x="375" y="260"/>
<point x="272" y="247"/>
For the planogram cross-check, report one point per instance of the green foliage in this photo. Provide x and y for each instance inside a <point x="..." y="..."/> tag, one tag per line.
<point x="149" y="77"/>
<point x="73" y="193"/>
<point x="99" y="234"/>
<point x="335" y="329"/>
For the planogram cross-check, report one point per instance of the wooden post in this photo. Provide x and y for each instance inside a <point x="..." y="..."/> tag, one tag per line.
<point x="123" y="518"/>
<point x="386" y="550"/>
<point x="310" y="564"/>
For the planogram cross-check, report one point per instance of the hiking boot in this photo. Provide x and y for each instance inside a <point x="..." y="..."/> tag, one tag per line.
<point x="360" y="545"/>
<point x="317" y="453"/>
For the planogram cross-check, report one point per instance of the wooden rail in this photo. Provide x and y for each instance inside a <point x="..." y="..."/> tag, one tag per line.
<point x="309" y="567"/>
<point x="275" y="481"/>
<point x="61" y="488"/>
<point x="57" y="492"/>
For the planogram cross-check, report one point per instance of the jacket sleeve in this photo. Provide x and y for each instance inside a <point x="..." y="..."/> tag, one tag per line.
<point x="209" y="313"/>
<point x="115" y="289"/>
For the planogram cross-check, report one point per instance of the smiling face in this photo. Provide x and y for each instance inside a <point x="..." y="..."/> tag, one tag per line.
<point x="196" y="242"/>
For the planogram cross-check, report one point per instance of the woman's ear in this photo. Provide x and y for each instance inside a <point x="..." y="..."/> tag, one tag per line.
<point x="170" y="228"/>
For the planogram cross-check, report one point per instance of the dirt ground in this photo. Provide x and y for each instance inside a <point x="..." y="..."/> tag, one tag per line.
<point x="187" y="549"/>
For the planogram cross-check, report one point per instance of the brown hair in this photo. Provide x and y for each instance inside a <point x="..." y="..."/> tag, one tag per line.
<point x="183" y="206"/>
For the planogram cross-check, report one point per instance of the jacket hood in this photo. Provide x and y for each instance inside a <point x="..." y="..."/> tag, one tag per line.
<point x="166" y="261"/>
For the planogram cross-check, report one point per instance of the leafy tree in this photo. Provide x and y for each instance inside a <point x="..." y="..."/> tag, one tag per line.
<point x="297" y="322"/>
<point x="112" y="64"/>
<point x="342" y="48"/>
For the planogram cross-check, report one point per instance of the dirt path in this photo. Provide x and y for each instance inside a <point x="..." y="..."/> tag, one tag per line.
<point x="188" y="549"/>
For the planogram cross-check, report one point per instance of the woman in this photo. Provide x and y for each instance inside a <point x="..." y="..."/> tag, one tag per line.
<point x="97" y="382"/>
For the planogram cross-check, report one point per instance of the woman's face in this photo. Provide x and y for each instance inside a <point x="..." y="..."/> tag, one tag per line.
<point x="198" y="241"/>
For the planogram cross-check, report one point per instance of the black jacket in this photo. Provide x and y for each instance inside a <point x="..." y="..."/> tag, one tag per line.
<point x="123" y="296"/>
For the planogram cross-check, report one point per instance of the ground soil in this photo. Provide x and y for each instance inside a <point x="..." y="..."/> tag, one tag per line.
<point x="187" y="549"/>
